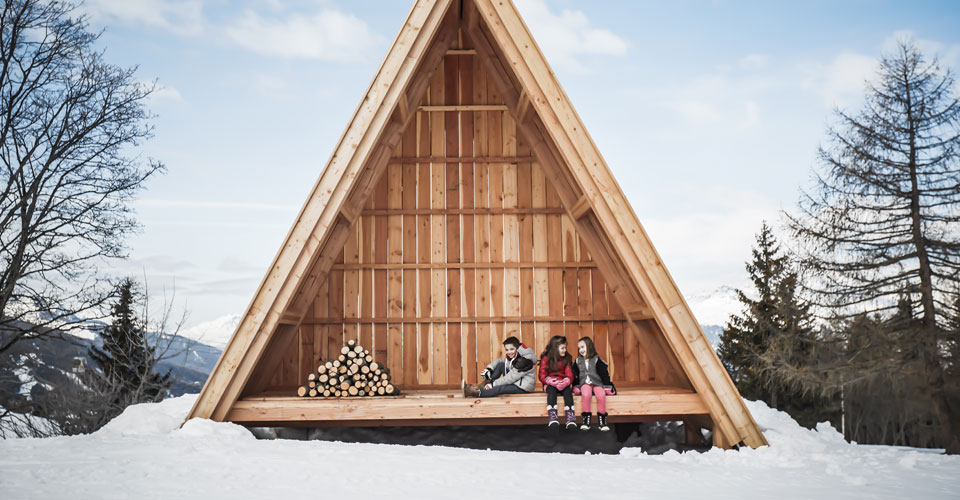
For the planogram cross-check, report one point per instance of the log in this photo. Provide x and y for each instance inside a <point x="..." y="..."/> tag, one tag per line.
<point x="358" y="349"/>
<point x="313" y="393"/>
<point x="351" y="343"/>
<point x="302" y="391"/>
<point x="381" y="391"/>
<point x="351" y="355"/>
<point x="374" y="366"/>
<point x="389" y="389"/>
<point x="344" y="350"/>
<point x="352" y="390"/>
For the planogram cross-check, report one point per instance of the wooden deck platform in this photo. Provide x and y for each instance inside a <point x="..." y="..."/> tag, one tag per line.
<point x="448" y="407"/>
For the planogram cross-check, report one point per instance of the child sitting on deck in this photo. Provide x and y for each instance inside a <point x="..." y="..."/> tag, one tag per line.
<point x="556" y="375"/>
<point x="591" y="377"/>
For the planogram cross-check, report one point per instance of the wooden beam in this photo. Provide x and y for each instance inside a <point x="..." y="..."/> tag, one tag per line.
<point x="465" y="211"/>
<point x="349" y="213"/>
<point x="469" y="265"/>
<point x="463" y="319"/>
<point x="463" y="107"/>
<point x="634" y="402"/>
<point x="523" y="105"/>
<point x="403" y="106"/>
<point x="461" y="159"/>
<point x="461" y="52"/>
<point x="580" y="208"/>
<point x="639" y="312"/>
<point x="289" y="318"/>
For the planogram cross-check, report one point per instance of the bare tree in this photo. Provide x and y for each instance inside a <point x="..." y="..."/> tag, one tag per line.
<point x="883" y="223"/>
<point x="70" y="124"/>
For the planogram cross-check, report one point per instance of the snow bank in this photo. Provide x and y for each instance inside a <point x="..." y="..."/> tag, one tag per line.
<point x="144" y="453"/>
<point x="150" y="419"/>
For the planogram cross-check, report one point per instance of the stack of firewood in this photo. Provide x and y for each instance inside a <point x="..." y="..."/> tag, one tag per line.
<point x="353" y="373"/>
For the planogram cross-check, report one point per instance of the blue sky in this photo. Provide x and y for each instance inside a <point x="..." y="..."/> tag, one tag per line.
<point x="708" y="113"/>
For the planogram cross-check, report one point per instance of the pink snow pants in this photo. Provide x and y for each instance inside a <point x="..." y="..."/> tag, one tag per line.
<point x="586" y="390"/>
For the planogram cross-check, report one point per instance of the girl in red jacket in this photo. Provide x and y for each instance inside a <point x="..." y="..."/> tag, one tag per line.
<point x="556" y="375"/>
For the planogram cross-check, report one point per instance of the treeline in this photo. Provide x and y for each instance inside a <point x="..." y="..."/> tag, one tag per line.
<point x="858" y="322"/>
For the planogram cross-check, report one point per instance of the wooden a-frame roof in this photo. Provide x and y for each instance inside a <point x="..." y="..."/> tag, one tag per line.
<point x="545" y="116"/>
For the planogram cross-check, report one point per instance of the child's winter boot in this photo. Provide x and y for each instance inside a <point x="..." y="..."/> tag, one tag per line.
<point x="570" y="418"/>
<point x="602" y="418"/>
<point x="585" y="426"/>
<point x="553" y="423"/>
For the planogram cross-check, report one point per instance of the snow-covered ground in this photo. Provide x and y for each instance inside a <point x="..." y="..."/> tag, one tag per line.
<point x="143" y="454"/>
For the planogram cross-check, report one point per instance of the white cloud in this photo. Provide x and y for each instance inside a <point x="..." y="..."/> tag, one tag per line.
<point x="328" y="35"/>
<point x="183" y="17"/>
<point x="726" y="98"/>
<point x="165" y="93"/>
<point x="568" y="36"/>
<point x="705" y="248"/>
<point x="842" y="80"/>
<point x="949" y="54"/>
<point x="753" y="61"/>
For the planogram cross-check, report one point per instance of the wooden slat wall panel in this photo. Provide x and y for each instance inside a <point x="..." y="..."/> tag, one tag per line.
<point x="482" y="222"/>
<point x="468" y="246"/>
<point x="525" y="236"/>
<point x="495" y="178"/>
<point x="351" y="284"/>
<point x="440" y="353"/>
<point x="424" y="375"/>
<point x="384" y="234"/>
<point x="394" y="358"/>
<point x="408" y="375"/>
<point x="438" y="278"/>
<point x="451" y="132"/>
<point x="367" y="255"/>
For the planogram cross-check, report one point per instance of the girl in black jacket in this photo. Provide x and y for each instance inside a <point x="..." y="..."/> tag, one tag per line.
<point x="592" y="377"/>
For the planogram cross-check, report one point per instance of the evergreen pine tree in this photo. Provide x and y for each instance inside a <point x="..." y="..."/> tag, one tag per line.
<point x="126" y="360"/>
<point x="775" y="320"/>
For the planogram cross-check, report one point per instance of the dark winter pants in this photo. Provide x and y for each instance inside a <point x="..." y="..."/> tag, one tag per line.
<point x="500" y="389"/>
<point x="552" y="396"/>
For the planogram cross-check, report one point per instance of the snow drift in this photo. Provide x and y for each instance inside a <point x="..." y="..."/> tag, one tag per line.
<point x="145" y="453"/>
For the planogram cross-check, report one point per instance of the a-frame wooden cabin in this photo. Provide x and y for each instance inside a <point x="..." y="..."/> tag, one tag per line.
<point x="465" y="203"/>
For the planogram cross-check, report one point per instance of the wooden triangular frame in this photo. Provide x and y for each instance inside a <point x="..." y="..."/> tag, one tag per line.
<point x="637" y="278"/>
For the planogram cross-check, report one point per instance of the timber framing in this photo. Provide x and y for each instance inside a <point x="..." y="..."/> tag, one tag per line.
<point x="468" y="157"/>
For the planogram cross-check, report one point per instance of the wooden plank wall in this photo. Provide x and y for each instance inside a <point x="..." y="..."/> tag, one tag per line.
<point x="463" y="243"/>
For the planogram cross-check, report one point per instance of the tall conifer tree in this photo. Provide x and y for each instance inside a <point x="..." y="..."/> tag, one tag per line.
<point x="126" y="359"/>
<point x="776" y="319"/>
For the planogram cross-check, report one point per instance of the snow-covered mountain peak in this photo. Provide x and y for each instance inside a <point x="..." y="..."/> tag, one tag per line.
<point x="215" y="332"/>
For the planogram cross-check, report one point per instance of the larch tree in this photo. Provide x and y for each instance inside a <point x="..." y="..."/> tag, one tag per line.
<point x="883" y="221"/>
